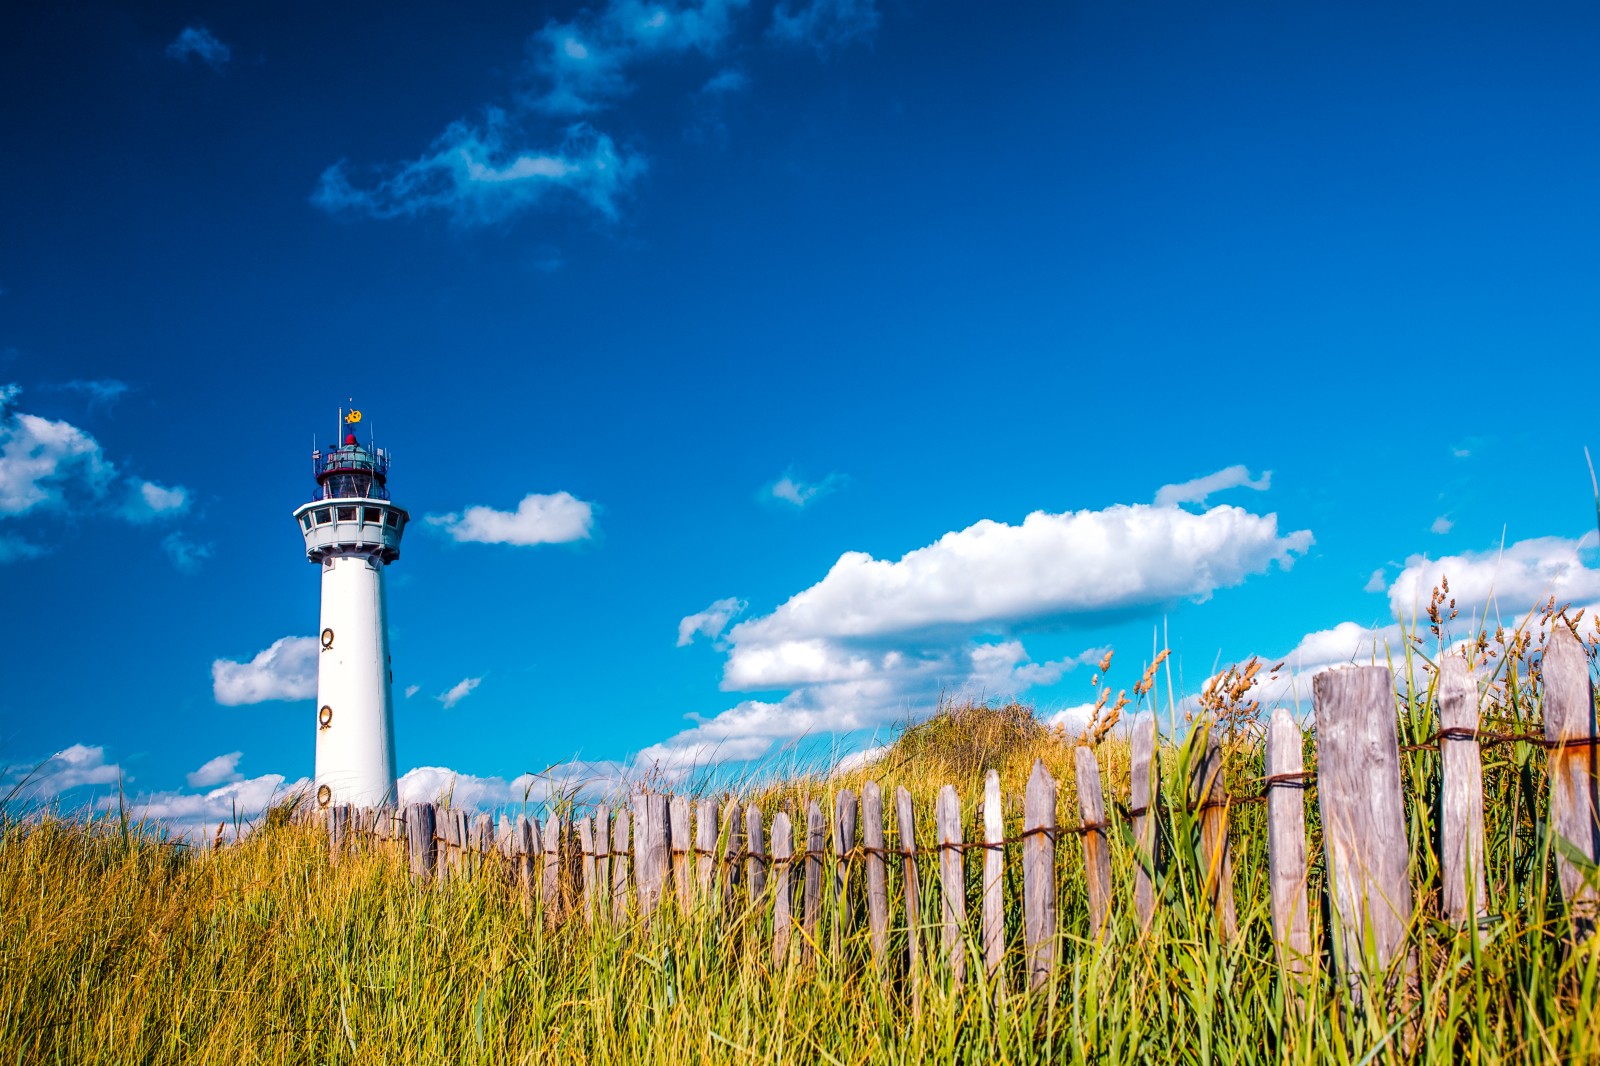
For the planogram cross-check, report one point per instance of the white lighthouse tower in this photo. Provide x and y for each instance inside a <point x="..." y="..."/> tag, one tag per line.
<point x="352" y="532"/>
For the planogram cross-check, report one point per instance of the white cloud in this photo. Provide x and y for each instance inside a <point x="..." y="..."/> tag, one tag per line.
<point x="1442" y="524"/>
<point x="412" y="690"/>
<point x="15" y="549"/>
<point x="285" y="671"/>
<point x="823" y="23"/>
<point x="475" y="174"/>
<point x="1197" y="490"/>
<point x="43" y="462"/>
<point x="875" y="640"/>
<point x="196" y="815"/>
<point x="1377" y="582"/>
<point x="70" y="768"/>
<point x="221" y="770"/>
<point x="554" y="519"/>
<point x="102" y="392"/>
<point x="428" y="784"/>
<point x="147" y="501"/>
<point x="186" y="555"/>
<point x="1525" y="574"/>
<point x="727" y="80"/>
<point x="458" y="692"/>
<point x="858" y="759"/>
<point x="710" y="622"/>
<point x="199" y="42"/>
<point x="790" y="489"/>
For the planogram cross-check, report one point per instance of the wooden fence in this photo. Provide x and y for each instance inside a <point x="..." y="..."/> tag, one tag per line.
<point x="625" y="865"/>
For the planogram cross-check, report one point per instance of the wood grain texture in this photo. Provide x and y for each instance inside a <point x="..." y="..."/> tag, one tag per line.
<point x="1363" y="821"/>
<point x="1039" y="923"/>
<point x="1208" y="791"/>
<point x="952" y="882"/>
<point x="877" y="871"/>
<point x="755" y="866"/>
<point x="550" y="885"/>
<point x="524" y="845"/>
<point x="732" y="853"/>
<point x="1144" y="797"/>
<point x="1460" y="796"/>
<point x="705" y="846"/>
<point x="619" y="866"/>
<point x="782" y="850"/>
<point x="1096" y="851"/>
<point x="994" y="869"/>
<point x="844" y="845"/>
<point x="1574" y="807"/>
<point x="1286" y="846"/>
<point x="421" y="846"/>
<point x="811" y="905"/>
<point x="602" y="862"/>
<point x="907" y="827"/>
<point x="652" y="832"/>
<point x="586" y="845"/>
<point x="682" y="852"/>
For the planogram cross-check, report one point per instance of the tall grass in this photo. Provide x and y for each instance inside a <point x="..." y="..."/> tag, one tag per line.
<point x="117" y="947"/>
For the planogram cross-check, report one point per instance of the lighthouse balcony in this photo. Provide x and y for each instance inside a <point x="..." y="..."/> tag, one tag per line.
<point x="360" y="525"/>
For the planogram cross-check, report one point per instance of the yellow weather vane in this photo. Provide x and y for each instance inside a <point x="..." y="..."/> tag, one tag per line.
<point x="353" y="417"/>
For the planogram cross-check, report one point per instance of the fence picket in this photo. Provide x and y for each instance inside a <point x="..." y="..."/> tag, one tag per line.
<point x="705" y="845"/>
<point x="1039" y="875"/>
<point x="619" y="867"/>
<point x="1460" y="795"/>
<point x="421" y="846"/>
<point x="682" y="852"/>
<point x="755" y="864"/>
<point x="1574" y="807"/>
<point x="550" y="887"/>
<point x="1144" y="797"/>
<point x="952" y="882"/>
<point x="1096" y="854"/>
<point x="586" y="843"/>
<point x="732" y="847"/>
<point x="651" y="846"/>
<point x="1286" y="845"/>
<point x="782" y="852"/>
<point x="524" y="846"/>
<point x="602" y="862"/>
<point x="877" y="870"/>
<point x="1208" y="791"/>
<point x="913" y="888"/>
<point x="844" y="845"/>
<point x="1363" y="820"/>
<point x="811" y="907"/>
<point x="994" y="860"/>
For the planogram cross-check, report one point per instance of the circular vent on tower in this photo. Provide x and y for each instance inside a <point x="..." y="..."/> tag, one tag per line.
<point x="327" y="639"/>
<point x="324" y="795"/>
<point x="325" y="717"/>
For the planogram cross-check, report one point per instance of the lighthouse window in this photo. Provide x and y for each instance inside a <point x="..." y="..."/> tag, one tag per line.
<point x="372" y="514"/>
<point x="393" y="517"/>
<point x="347" y="514"/>
<point x="322" y="516"/>
<point x="305" y="521"/>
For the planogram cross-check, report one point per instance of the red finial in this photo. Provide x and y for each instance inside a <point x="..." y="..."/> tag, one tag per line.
<point x="349" y="438"/>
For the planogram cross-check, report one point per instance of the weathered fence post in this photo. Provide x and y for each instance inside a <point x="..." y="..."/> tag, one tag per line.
<point x="602" y="862"/>
<point x="1092" y="824"/>
<point x="913" y="888"/>
<point x="877" y="870"/>
<point x="619" y="867"/>
<point x="782" y="852"/>
<point x="550" y="887"/>
<point x="652" y="841"/>
<point x="464" y="843"/>
<point x="1460" y="793"/>
<point x="1363" y="820"/>
<point x="811" y="907"/>
<point x="994" y="867"/>
<point x="682" y="852"/>
<point x="586" y="845"/>
<point x="524" y="846"/>
<point x="1039" y="875"/>
<point x="1208" y="794"/>
<point x="483" y="841"/>
<point x="705" y="845"/>
<point x="420" y="842"/>
<point x="732" y="846"/>
<point x="952" y="881"/>
<point x="1144" y="796"/>
<point x="1286" y="844"/>
<point x="1569" y="722"/>
<point x="755" y="864"/>
<point x="844" y="845"/>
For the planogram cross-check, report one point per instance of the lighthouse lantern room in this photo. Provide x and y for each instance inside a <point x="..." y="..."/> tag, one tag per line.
<point x="352" y="531"/>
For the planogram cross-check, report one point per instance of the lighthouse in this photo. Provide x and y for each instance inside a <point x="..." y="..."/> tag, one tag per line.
<point x="352" y="531"/>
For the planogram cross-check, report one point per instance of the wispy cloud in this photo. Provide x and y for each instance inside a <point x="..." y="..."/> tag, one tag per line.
<point x="186" y="554"/>
<point x="412" y="690"/>
<point x="478" y="173"/>
<point x="727" y="80"/>
<point x="458" y="691"/>
<point x="792" y="490"/>
<point x="558" y="518"/>
<point x="70" y="768"/>
<point x="221" y="770"/>
<point x="710" y="622"/>
<point x="199" y="43"/>
<point x="1442" y="524"/>
<point x="286" y="670"/>
<point x="824" y="24"/>
<point x="1199" y="489"/>
<point x="101" y="392"/>
<point x="147" y="501"/>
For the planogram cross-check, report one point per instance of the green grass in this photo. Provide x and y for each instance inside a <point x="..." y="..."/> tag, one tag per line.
<point x="117" y="947"/>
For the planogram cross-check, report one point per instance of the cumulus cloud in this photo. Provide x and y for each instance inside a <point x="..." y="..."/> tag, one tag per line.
<point x="1514" y="580"/>
<point x="234" y="806"/>
<point x="875" y="638"/>
<point x="287" y="670"/>
<point x="710" y="622"/>
<point x="429" y="784"/>
<point x="199" y="43"/>
<point x="1197" y="490"/>
<point x="458" y="691"/>
<point x="824" y="24"/>
<point x="554" y="519"/>
<point x="476" y="173"/>
<point x="791" y="489"/>
<point x="221" y="770"/>
<point x="70" y="768"/>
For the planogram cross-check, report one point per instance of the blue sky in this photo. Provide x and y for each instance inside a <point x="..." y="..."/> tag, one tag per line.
<point x="757" y="373"/>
